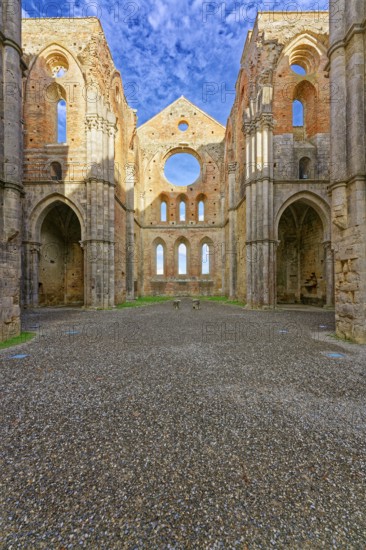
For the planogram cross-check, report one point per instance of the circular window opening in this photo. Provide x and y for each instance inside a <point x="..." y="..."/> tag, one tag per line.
<point x="183" y="126"/>
<point x="182" y="169"/>
<point x="57" y="65"/>
<point x="298" y="69"/>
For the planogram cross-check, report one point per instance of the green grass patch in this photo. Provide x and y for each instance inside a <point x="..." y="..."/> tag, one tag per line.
<point x="150" y="300"/>
<point x="145" y="301"/>
<point x="222" y="300"/>
<point x="340" y="339"/>
<point x="21" y="339"/>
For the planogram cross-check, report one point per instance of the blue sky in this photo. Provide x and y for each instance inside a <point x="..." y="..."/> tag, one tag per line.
<point x="182" y="169"/>
<point x="168" y="48"/>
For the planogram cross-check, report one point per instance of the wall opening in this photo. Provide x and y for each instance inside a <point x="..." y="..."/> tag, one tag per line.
<point x="182" y="211"/>
<point x="61" y="266"/>
<point x="298" y="115"/>
<point x="56" y="171"/>
<point x="205" y="259"/>
<point x="201" y="211"/>
<point x="61" y="121"/>
<point x="163" y="212"/>
<point x="183" y="126"/>
<point x="182" y="259"/>
<point x="57" y="64"/>
<point x="301" y="270"/>
<point x="182" y="169"/>
<point x="305" y="108"/>
<point x="160" y="260"/>
<point x="298" y="69"/>
<point x="305" y="168"/>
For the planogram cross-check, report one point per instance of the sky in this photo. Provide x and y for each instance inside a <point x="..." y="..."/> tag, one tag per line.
<point x="168" y="48"/>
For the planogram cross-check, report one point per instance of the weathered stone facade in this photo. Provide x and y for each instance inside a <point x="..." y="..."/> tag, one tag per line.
<point x="158" y="140"/>
<point x="282" y="187"/>
<point x="348" y="165"/>
<point x="278" y="176"/>
<point x="75" y="208"/>
<point x="11" y="188"/>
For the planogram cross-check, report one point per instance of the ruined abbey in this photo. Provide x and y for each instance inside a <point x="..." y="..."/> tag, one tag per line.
<point x="277" y="214"/>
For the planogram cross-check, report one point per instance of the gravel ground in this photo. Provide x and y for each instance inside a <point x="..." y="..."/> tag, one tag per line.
<point x="154" y="428"/>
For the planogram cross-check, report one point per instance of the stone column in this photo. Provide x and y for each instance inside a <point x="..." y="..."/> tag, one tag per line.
<point x="32" y="251"/>
<point x="232" y="168"/>
<point x="130" y="234"/>
<point x="11" y="152"/>
<point x="261" y="275"/>
<point x="111" y="238"/>
<point x="248" y="203"/>
<point x="329" y="273"/>
<point x="267" y="232"/>
<point x="348" y="170"/>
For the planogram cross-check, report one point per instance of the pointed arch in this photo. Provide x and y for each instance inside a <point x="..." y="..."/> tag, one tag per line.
<point x="316" y="202"/>
<point x="159" y="253"/>
<point x="53" y="48"/>
<point x="44" y="206"/>
<point x="304" y="50"/>
<point x="163" y="208"/>
<point x="182" y="256"/>
<point x="61" y="121"/>
<point x="182" y="208"/>
<point x="306" y="94"/>
<point x="201" y="208"/>
<point x="207" y="256"/>
<point x="298" y="114"/>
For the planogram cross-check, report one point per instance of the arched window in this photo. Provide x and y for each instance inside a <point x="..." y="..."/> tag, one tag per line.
<point x="61" y="121"/>
<point x="201" y="211"/>
<point x="182" y="259"/>
<point x="205" y="259"/>
<point x="163" y="212"/>
<point x="182" y="211"/>
<point x="160" y="260"/>
<point x="56" y="171"/>
<point x="298" y="116"/>
<point x="304" y="168"/>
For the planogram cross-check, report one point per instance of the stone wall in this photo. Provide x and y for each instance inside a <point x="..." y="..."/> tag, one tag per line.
<point x="69" y="61"/>
<point x="11" y="188"/>
<point x="348" y="165"/>
<point x="277" y="162"/>
<point x="158" y="139"/>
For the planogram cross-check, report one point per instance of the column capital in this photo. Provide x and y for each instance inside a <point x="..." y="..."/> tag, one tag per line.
<point x="232" y="167"/>
<point x="112" y="129"/>
<point x="91" y="121"/>
<point x="266" y="119"/>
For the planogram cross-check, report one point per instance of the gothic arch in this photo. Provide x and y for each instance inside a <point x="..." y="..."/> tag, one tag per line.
<point x="154" y="247"/>
<point x="178" y="242"/>
<point x="211" y="259"/>
<point x="50" y="48"/>
<point x="41" y="210"/>
<point x="305" y="50"/>
<point x="313" y="200"/>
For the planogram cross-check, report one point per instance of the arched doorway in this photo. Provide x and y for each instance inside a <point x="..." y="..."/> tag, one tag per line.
<point x="302" y="257"/>
<point x="61" y="265"/>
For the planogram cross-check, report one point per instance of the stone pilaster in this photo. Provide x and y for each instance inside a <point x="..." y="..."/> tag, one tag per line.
<point x="261" y="274"/>
<point x="98" y="245"/>
<point x="329" y="273"/>
<point x="232" y="168"/>
<point x="348" y="165"/>
<point x="130" y="235"/>
<point x="11" y="151"/>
